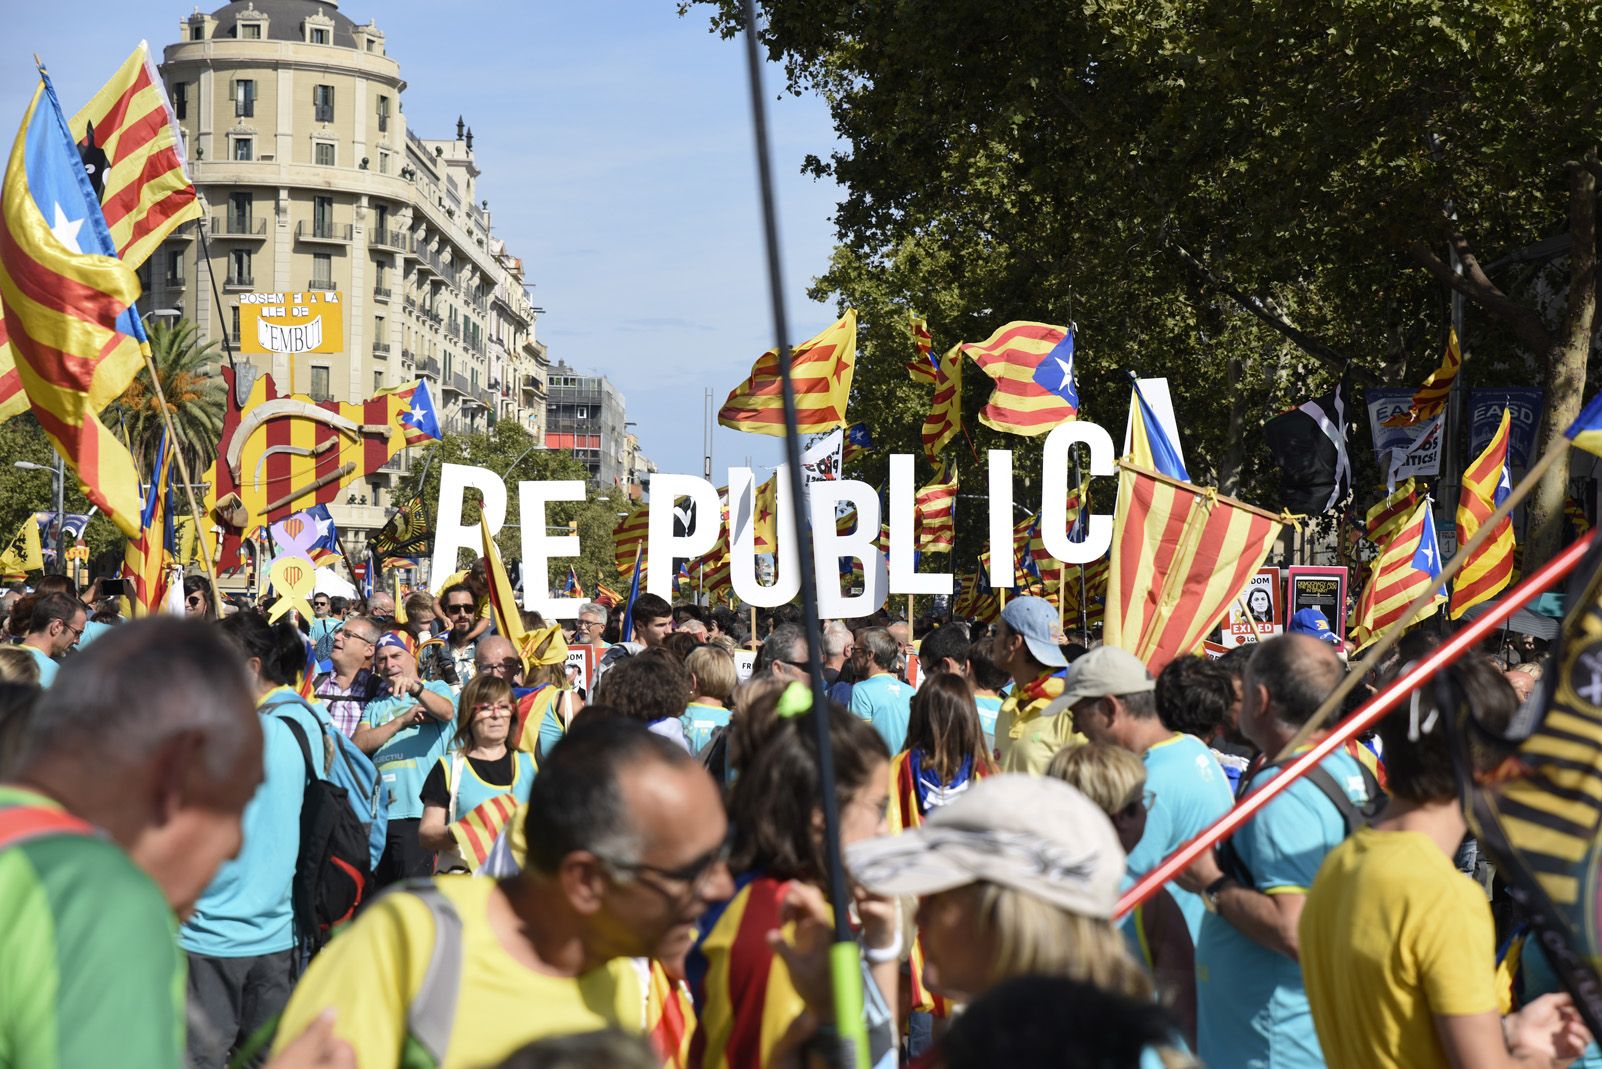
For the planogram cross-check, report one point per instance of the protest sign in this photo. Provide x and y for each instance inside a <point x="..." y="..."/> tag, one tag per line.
<point x="1322" y="588"/>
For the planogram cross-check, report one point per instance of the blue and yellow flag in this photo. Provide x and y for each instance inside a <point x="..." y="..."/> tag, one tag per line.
<point x="1586" y="431"/>
<point x="1149" y="446"/>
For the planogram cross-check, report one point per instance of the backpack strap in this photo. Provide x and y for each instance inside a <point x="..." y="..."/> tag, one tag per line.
<point x="305" y="747"/>
<point x="432" y="1012"/>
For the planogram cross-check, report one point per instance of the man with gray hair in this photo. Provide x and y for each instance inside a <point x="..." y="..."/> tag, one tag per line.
<point x="1251" y="1004"/>
<point x="592" y="617"/>
<point x="783" y="654"/>
<point x="881" y="698"/>
<point x="837" y="646"/>
<point x="127" y="797"/>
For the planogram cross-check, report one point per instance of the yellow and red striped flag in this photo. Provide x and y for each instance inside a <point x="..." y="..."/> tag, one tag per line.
<point x="669" y="1017"/>
<point x="144" y="563"/>
<point x="711" y="570"/>
<point x="935" y="505"/>
<point x="1033" y="368"/>
<point x="1180" y="555"/>
<point x="1486" y="484"/>
<point x="507" y="613"/>
<point x="1409" y="565"/>
<point x="475" y="833"/>
<point x="821" y="368"/>
<point x="1430" y="398"/>
<point x="628" y="538"/>
<point x="1387" y="517"/>
<point x="75" y="336"/>
<point x="922" y="369"/>
<point x="945" y="407"/>
<point x="765" y="516"/>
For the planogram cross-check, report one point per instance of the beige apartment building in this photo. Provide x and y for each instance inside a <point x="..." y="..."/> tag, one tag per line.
<point x="291" y="115"/>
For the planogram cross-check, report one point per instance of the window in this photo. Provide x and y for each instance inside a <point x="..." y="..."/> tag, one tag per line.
<point x="250" y="31"/>
<point x="239" y="268"/>
<point x="239" y="211"/>
<point x="235" y="311"/>
<point x="323" y="153"/>
<point x="378" y="381"/>
<point x="378" y="277"/>
<point x="322" y="271"/>
<point x="197" y="32"/>
<point x="175" y="268"/>
<point x="447" y="363"/>
<point x="383" y="162"/>
<point x="380" y="333"/>
<point x="180" y="99"/>
<point x="381" y="219"/>
<point x="323" y="217"/>
<point x="319" y="35"/>
<point x="244" y="97"/>
<point x="244" y="148"/>
<point x="323" y="102"/>
<point x="319" y="383"/>
<point x="383" y="114"/>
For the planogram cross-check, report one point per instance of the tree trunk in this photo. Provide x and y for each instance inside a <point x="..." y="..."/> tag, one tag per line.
<point x="1564" y="378"/>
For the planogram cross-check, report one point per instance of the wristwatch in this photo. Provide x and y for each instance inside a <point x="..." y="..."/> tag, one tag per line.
<point x="415" y="690"/>
<point x="1211" y="891"/>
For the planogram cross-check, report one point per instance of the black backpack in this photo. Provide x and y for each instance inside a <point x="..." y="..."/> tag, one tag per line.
<point x="333" y="870"/>
<point x="1353" y="815"/>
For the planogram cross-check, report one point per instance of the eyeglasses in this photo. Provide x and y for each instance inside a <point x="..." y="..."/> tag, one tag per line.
<point x="356" y="634"/>
<point x="501" y="668"/>
<point x="77" y="632"/>
<point x="499" y="707"/>
<point x="696" y="875"/>
<point x="452" y="610"/>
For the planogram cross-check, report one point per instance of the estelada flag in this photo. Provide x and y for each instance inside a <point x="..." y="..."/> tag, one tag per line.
<point x="475" y="833"/>
<point x="143" y="559"/>
<point x="935" y="506"/>
<point x="1033" y="368"/>
<point x="628" y="537"/>
<point x="75" y="335"/>
<point x="1408" y="565"/>
<point x="1387" y="517"/>
<point x="1180" y="555"/>
<point x="1487" y="482"/>
<point x="923" y="368"/>
<point x="821" y="369"/>
<point x="945" y="407"/>
<point x="1430" y="398"/>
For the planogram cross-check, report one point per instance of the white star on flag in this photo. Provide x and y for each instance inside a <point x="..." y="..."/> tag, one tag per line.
<point x="66" y="230"/>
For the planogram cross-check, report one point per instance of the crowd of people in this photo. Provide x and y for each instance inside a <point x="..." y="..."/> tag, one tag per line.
<point x="631" y="870"/>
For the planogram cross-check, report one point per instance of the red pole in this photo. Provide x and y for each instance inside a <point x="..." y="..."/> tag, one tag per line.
<point x="1358" y="722"/>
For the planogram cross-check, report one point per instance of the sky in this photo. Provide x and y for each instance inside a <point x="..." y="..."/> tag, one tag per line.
<point x="615" y="142"/>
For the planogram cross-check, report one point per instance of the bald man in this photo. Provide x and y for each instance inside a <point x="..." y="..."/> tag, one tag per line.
<point x="496" y="655"/>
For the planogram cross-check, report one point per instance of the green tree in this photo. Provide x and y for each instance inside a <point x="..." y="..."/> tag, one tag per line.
<point x="193" y="387"/>
<point x="1168" y="173"/>
<point x="508" y="451"/>
<point x="25" y="491"/>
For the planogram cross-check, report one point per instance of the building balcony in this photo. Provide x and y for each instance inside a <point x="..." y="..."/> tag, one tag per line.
<point x="427" y="365"/>
<point x="453" y="329"/>
<point x="239" y="282"/>
<point x="381" y="293"/>
<point x="411" y="305"/>
<point x="407" y="359"/>
<point x="324" y="232"/>
<point x="389" y="239"/>
<point x="324" y="284"/>
<point x="381" y="349"/>
<point x="244" y="228"/>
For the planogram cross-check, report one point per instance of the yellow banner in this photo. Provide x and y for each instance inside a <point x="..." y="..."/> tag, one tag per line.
<point x="312" y="321"/>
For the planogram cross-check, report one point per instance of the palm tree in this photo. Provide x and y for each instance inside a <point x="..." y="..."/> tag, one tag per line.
<point x="195" y="394"/>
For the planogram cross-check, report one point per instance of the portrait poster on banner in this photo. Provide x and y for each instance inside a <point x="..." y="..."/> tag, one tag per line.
<point x="581" y="661"/>
<point x="1318" y="587"/>
<point x="1261" y="599"/>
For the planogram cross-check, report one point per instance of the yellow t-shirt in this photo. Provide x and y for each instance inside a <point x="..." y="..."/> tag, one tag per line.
<point x="1391" y="936"/>
<point x="369" y="972"/>
<point x="1026" y="741"/>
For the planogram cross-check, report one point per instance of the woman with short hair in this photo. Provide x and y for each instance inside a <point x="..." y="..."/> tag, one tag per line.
<point x="482" y="777"/>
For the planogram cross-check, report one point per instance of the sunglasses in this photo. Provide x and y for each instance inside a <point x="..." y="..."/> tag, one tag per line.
<point x="454" y="610"/>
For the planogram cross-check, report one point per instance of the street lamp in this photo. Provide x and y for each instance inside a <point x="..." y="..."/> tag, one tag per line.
<point x="58" y="477"/>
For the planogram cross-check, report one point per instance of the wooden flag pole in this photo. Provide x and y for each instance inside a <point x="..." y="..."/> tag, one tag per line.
<point x="1393" y="634"/>
<point x="183" y="473"/>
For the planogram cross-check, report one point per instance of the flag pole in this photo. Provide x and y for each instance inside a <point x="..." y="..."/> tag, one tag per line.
<point x="1369" y="714"/>
<point x="1393" y="634"/>
<point x="845" y="967"/>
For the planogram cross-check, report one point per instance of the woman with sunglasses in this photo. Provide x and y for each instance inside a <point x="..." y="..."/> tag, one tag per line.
<point x="481" y="768"/>
<point x="1115" y="779"/>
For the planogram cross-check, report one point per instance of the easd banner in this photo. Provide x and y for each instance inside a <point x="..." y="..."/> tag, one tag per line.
<point x="1525" y="405"/>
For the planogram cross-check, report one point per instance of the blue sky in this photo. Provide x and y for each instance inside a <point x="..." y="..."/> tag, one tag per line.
<point x="616" y="149"/>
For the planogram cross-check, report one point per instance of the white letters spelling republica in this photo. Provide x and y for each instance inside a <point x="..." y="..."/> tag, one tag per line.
<point x="1001" y="563"/>
<point x="539" y="545"/>
<point x="904" y="577"/>
<point x="1054" y="499"/>
<point x="451" y="536"/>
<point x="829" y="545"/>
<point x="663" y="547"/>
<point x="742" y="541"/>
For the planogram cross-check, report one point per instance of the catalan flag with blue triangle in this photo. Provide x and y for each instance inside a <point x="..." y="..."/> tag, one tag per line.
<point x="69" y="305"/>
<point x="1149" y="446"/>
<point x="142" y="559"/>
<point x="1586" y="431"/>
<point x="1487" y="482"/>
<point x="1409" y="564"/>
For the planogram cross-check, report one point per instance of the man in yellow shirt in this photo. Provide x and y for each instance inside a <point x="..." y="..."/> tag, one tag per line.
<point x="1397" y="946"/>
<point x="626" y="852"/>
<point x="1025" y="647"/>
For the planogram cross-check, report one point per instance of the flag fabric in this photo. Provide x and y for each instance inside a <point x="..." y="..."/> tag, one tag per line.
<point x="507" y="613"/>
<point x="1309" y="445"/>
<point x="1387" y="517"/>
<point x="1405" y="568"/>
<point x="712" y="570"/>
<point x="821" y="368"/>
<point x="406" y="531"/>
<point x="628" y="539"/>
<point x="626" y="632"/>
<point x="571" y="588"/>
<point x="1429" y="400"/>
<point x="1576" y="522"/>
<point x="1586" y="431"/>
<point x="326" y="539"/>
<point x="945" y="407"/>
<point x="476" y="831"/>
<point x="1149" y="446"/>
<point x="935" y="506"/>
<point x="418" y="418"/>
<point x="921" y="369"/>
<point x="75" y="336"/>
<point x="669" y="1017"/>
<point x="821" y="457"/>
<point x="857" y="442"/>
<point x="143" y="563"/>
<point x="1032" y="365"/>
<point x="605" y="595"/>
<point x="1540" y="815"/>
<point x="1180" y="555"/>
<point x="1487" y="482"/>
<point x="22" y="554"/>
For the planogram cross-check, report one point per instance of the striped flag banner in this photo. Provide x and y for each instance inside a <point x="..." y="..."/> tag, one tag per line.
<point x="475" y="832"/>
<point x="1181" y="554"/>
<point x="1429" y="400"/>
<point x="1487" y="482"/>
<point x="821" y="369"/>
<point x="628" y="537"/>
<point x="945" y="407"/>
<point x="935" y="506"/>
<point x="669" y="1017"/>
<point x="507" y="612"/>
<point x="1408" y="565"/>
<point x="923" y="368"/>
<point x="143" y="562"/>
<point x="1387" y="517"/>
<point x="1032" y="365"/>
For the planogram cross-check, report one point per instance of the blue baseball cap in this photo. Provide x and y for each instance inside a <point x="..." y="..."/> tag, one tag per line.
<point x="1036" y="621"/>
<point x="1313" y="622"/>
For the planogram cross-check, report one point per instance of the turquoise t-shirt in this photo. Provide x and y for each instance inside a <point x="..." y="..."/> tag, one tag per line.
<point x="1190" y="793"/>
<point x="700" y="721"/>
<point x="475" y="791"/>
<point x="92" y="629"/>
<point x="47" y="665"/>
<point x="886" y="703"/>
<point x="1538" y="979"/>
<point x="989" y="706"/>
<point x="1251" y="1007"/>
<point x="405" y="760"/>
<point x="247" y="910"/>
